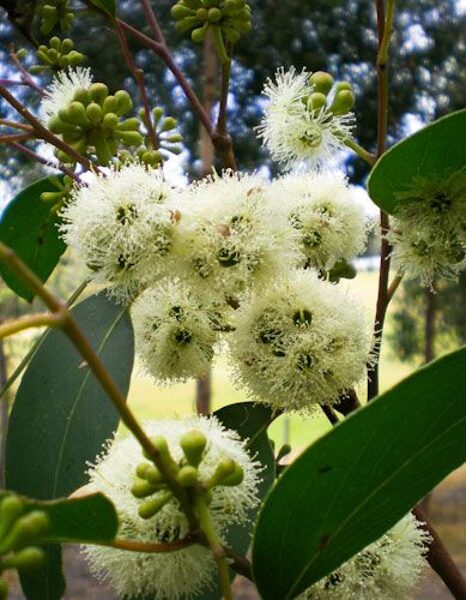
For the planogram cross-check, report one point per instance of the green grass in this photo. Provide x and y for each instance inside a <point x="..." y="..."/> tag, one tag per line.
<point x="150" y="402"/>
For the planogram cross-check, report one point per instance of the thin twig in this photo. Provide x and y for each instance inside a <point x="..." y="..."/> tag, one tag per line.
<point x="392" y="288"/>
<point x="153" y="22"/>
<point x="14" y="326"/>
<point x="15" y="137"/>
<point x="14" y="124"/>
<point x="361" y="152"/>
<point x="138" y="76"/>
<point x="12" y="82"/>
<point x="45" y="162"/>
<point x="384" y="29"/>
<point x="25" y="76"/>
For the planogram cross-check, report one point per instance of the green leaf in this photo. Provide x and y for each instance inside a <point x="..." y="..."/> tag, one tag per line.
<point x="61" y="416"/>
<point x="108" y="6"/>
<point x="433" y="153"/>
<point x="28" y="226"/>
<point x="362" y="477"/>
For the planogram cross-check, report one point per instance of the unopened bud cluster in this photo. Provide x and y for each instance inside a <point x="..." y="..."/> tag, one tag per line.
<point x="19" y="528"/>
<point x="152" y="486"/>
<point x="57" y="198"/>
<point x="54" y="14"/>
<point x="213" y="469"/>
<point x="229" y="19"/>
<point x="59" y="54"/>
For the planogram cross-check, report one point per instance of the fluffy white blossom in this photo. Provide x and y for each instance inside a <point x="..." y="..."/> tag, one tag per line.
<point x="185" y="573"/>
<point x="175" y="331"/>
<point x="122" y="226"/>
<point x="62" y="90"/>
<point x="428" y="234"/>
<point x="233" y="236"/>
<point x="300" y="343"/>
<point x="324" y="211"/>
<point x="292" y="131"/>
<point x="388" y="569"/>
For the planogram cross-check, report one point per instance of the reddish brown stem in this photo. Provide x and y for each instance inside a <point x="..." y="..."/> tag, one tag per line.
<point x="43" y="161"/>
<point x="152" y="21"/>
<point x="25" y="76"/>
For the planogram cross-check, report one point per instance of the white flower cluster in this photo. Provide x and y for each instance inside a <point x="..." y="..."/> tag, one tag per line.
<point x="428" y="235"/>
<point x="183" y="573"/>
<point x="185" y="257"/>
<point x="388" y="569"/>
<point x="300" y="343"/>
<point x="293" y="129"/>
<point x="62" y="91"/>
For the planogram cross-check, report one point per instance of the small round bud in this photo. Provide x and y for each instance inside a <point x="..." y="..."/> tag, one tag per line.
<point x="193" y="444"/>
<point x="317" y="100"/>
<point x="232" y="35"/>
<point x="188" y="476"/>
<point x="202" y="14"/>
<point x="110" y="121"/>
<point x="22" y="53"/>
<point x="25" y="560"/>
<point x="77" y="114"/>
<point x="150" y="508"/>
<point x="25" y="530"/>
<point x="343" y="85"/>
<point x="142" y="488"/>
<point x="75" y="58"/>
<point x="55" y="43"/>
<point x="67" y="45"/>
<point x="83" y="96"/>
<point x="235" y="478"/>
<point x="343" y="102"/>
<point x="198" y="35"/>
<point x="11" y="508"/>
<point x="55" y="124"/>
<point x="180" y="12"/>
<point x="125" y="103"/>
<point x="141" y="470"/>
<point x="98" y="91"/>
<point x="130" y="138"/>
<point x="214" y="15"/>
<point x="169" y="124"/>
<point x="225" y="468"/>
<point x="49" y="197"/>
<point x="94" y="113"/>
<point x="111" y="105"/>
<point x="160" y="443"/>
<point x="131" y="124"/>
<point x="158" y="113"/>
<point x="322" y="82"/>
<point x="154" y="476"/>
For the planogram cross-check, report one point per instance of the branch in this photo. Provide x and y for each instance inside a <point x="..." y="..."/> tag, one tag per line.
<point x="14" y="124"/>
<point x="138" y="76"/>
<point x="361" y="152"/>
<point x="44" y="161"/>
<point x="222" y="140"/>
<point x="384" y="29"/>
<point x="151" y="547"/>
<point x="28" y="322"/>
<point x="25" y="76"/>
<point x="152" y="21"/>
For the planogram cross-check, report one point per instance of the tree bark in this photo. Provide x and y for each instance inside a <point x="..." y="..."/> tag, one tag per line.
<point x="3" y="414"/>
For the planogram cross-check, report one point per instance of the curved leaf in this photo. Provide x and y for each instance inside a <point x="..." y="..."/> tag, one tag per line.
<point x="435" y="151"/>
<point x="61" y="416"/>
<point x="108" y="6"/>
<point x="29" y="227"/>
<point x="358" y="480"/>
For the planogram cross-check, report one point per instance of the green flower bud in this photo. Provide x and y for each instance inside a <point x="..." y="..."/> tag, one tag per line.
<point x="235" y="478"/>
<point x="129" y="138"/>
<point x="154" y="476"/>
<point x="317" y="100"/>
<point x="225" y="468"/>
<point x="180" y="12"/>
<point x="22" y="53"/>
<point x="11" y="508"/>
<point x="77" y="114"/>
<point x="64" y="61"/>
<point x="83" y="96"/>
<point x="232" y="35"/>
<point x="343" y="85"/>
<point x="169" y="124"/>
<point x="55" y="43"/>
<point x="343" y="102"/>
<point x="176" y="138"/>
<point x="111" y="105"/>
<point x="3" y="589"/>
<point x="141" y="470"/>
<point x="186" y="24"/>
<point x="151" y="157"/>
<point x="25" y="529"/>
<point x="157" y="112"/>
<point x="98" y="91"/>
<point x="25" y="560"/>
<point x="202" y="14"/>
<point x="160" y="443"/>
<point x="322" y="82"/>
<point x="193" y="443"/>
<point x="131" y="124"/>
<point x="214" y="15"/>
<point x="125" y="103"/>
<point x="49" y="197"/>
<point x="110" y="121"/>
<point x="188" y="476"/>
<point x="75" y="58"/>
<point x="55" y="124"/>
<point x="193" y="4"/>
<point x="198" y="35"/>
<point x="67" y="45"/>
<point x="49" y="12"/>
<point x="242" y="26"/>
<point x="151" y="507"/>
<point x="142" y="488"/>
<point x="94" y="113"/>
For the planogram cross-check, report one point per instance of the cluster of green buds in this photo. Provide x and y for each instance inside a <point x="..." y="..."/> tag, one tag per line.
<point x="152" y="485"/>
<point x="54" y="14"/>
<point x="56" y="199"/>
<point x="228" y="19"/>
<point x="168" y="140"/>
<point x="337" y="97"/>
<point x="92" y="122"/>
<point x="19" y="528"/>
<point x="59" y="54"/>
